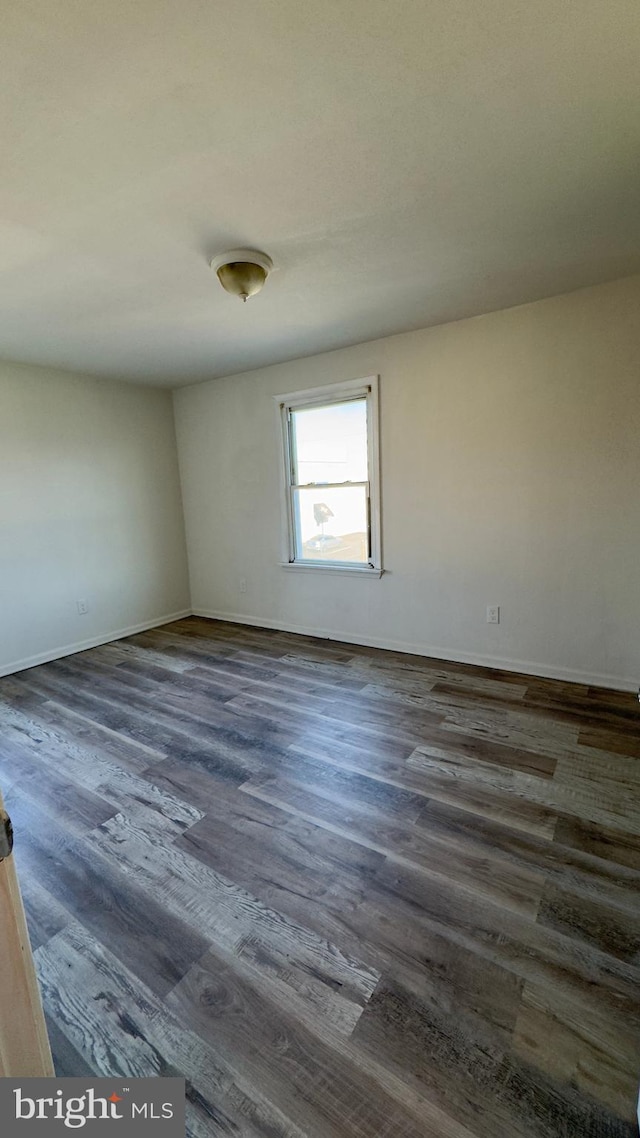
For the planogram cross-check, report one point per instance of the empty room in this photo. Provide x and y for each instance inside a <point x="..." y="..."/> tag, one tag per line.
<point x="319" y="567"/>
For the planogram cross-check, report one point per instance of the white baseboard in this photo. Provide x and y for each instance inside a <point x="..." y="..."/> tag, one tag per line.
<point x="525" y="667"/>
<point x="93" y="642"/>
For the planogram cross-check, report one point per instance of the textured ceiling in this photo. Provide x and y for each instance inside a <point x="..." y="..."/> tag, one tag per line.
<point x="404" y="162"/>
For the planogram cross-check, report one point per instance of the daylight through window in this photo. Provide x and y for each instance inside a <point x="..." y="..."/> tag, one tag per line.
<point x="330" y="466"/>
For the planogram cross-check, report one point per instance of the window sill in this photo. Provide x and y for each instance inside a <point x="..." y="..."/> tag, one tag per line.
<point x="353" y="570"/>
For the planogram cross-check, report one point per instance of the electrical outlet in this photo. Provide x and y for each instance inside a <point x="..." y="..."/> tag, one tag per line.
<point x="493" y="614"/>
<point x="242" y="584"/>
<point x="82" y="608"/>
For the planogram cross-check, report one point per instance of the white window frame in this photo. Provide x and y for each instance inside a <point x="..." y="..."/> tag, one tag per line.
<point x="319" y="397"/>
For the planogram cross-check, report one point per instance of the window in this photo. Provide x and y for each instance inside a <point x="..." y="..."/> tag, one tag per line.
<point x="330" y="467"/>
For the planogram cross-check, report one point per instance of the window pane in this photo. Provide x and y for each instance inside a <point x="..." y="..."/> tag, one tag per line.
<point x="331" y="525"/>
<point x="330" y="443"/>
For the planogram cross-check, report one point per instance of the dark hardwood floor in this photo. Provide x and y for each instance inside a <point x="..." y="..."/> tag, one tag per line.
<point x="346" y="893"/>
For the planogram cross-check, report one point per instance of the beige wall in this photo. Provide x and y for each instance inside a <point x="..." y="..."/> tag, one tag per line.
<point x="89" y="509"/>
<point x="510" y="475"/>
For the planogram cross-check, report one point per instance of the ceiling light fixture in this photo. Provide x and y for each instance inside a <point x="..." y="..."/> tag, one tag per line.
<point x="242" y="272"/>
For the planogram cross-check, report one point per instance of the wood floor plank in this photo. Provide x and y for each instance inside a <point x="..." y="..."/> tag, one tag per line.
<point x="70" y="1062"/>
<point x="496" y="878"/>
<point x="359" y="732"/>
<point x="492" y="791"/>
<point x="531" y="950"/>
<point x="618" y="846"/>
<point x="398" y="906"/>
<point x="35" y="779"/>
<point x="516" y="728"/>
<point x="141" y="660"/>
<point x="601" y="786"/>
<point x="46" y="916"/>
<point x="343" y="787"/>
<point x="534" y="762"/>
<point x="355" y="709"/>
<point x="295" y="961"/>
<point x="613" y="929"/>
<point x="119" y="1027"/>
<point x="190" y="737"/>
<point x="328" y="1095"/>
<point x="63" y="773"/>
<point x="595" y="786"/>
<point x="624" y="743"/>
<point x="573" y="863"/>
<point x="293" y="669"/>
<point x="51" y="728"/>
<point x="579" y="1042"/>
<point x="156" y="945"/>
<point x="594" y="707"/>
<point x="491" y="1091"/>
<point x="389" y="765"/>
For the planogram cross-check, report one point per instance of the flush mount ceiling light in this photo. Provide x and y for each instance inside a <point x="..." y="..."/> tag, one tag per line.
<point x="242" y="272"/>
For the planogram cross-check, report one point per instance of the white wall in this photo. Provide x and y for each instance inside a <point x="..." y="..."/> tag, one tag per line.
<point x="510" y="476"/>
<point x="89" y="509"/>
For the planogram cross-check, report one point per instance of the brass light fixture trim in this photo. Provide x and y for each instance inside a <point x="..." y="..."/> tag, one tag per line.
<point x="242" y="272"/>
